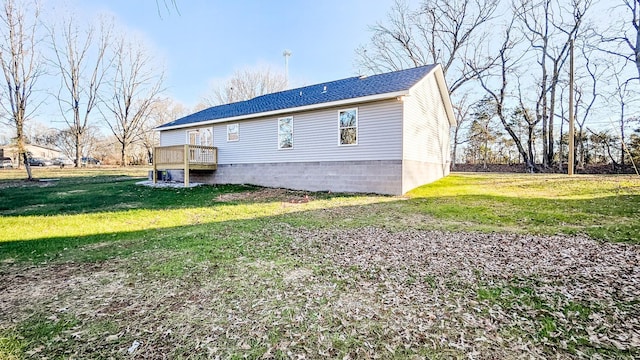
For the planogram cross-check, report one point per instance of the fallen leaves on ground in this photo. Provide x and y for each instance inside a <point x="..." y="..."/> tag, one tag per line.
<point x="361" y="293"/>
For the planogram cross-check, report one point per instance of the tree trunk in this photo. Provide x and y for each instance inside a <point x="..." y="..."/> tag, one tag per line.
<point x="552" y="108"/>
<point x="560" y="146"/>
<point x="543" y="93"/>
<point x="22" y="152"/>
<point x="581" y="160"/>
<point x="455" y="148"/>
<point x="622" y="143"/>
<point x="545" y="132"/>
<point x="529" y="159"/>
<point x="636" y="50"/>
<point x="78" y="157"/>
<point x="27" y="166"/>
<point x="123" y="156"/>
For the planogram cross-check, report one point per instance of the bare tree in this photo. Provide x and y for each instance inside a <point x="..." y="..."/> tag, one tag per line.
<point x="622" y="96"/>
<point x="634" y="7"/>
<point x="161" y="112"/>
<point x="500" y="76"/>
<point x="21" y="66"/>
<point x="449" y="32"/>
<point x="586" y="96"/>
<point x="462" y="110"/>
<point x="66" y="141"/>
<point x="481" y="132"/>
<point x="167" y="5"/>
<point x="522" y="114"/>
<point x="246" y="84"/>
<point x="550" y="30"/>
<point x="624" y="35"/>
<point x="38" y="133"/>
<point x="605" y="141"/>
<point x="136" y="86"/>
<point x="80" y="57"/>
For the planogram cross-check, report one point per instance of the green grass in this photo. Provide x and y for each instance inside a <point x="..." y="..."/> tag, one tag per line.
<point x="204" y="242"/>
<point x="603" y="207"/>
<point x="44" y="223"/>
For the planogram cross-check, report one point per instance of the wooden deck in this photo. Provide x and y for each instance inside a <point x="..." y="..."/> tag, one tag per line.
<point x="184" y="157"/>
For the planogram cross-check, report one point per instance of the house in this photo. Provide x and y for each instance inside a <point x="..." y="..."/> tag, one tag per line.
<point x="386" y="133"/>
<point x="32" y="150"/>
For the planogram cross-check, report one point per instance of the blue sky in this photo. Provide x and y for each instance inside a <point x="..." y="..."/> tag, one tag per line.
<point x="207" y="40"/>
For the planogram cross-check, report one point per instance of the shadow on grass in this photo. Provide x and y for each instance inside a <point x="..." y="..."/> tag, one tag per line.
<point x="83" y="195"/>
<point x="219" y="241"/>
<point x="614" y="218"/>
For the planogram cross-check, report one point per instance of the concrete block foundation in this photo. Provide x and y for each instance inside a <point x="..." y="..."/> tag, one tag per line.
<point x="390" y="177"/>
<point x="380" y="177"/>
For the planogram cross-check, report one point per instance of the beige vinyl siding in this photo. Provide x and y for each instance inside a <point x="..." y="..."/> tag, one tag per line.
<point x="315" y="137"/>
<point x="426" y="125"/>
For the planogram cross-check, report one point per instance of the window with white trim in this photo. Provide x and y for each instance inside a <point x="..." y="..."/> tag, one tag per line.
<point x="233" y="132"/>
<point x="206" y="137"/>
<point x="202" y="136"/>
<point x="285" y="133"/>
<point x="193" y="137"/>
<point x="348" y="126"/>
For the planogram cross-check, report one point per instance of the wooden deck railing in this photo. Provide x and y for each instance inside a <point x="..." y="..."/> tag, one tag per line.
<point x="195" y="157"/>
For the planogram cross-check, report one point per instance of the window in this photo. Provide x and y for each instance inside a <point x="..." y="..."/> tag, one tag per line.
<point x="233" y="132"/>
<point x="348" y="122"/>
<point x="200" y="137"/>
<point x="206" y="137"/>
<point x="285" y="133"/>
<point x="193" y="137"/>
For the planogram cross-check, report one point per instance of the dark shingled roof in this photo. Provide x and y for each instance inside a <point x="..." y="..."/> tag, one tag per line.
<point x="350" y="88"/>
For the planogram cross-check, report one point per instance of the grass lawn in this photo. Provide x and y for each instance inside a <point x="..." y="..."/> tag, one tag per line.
<point x="480" y="265"/>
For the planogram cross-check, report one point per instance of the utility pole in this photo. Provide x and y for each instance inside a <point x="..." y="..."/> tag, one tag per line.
<point x="286" y="55"/>
<point x="571" y="126"/>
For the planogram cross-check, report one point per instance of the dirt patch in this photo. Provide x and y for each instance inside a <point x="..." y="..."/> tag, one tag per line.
<point x="7" y="184"/>
<point x="267" y="194"/>
<point x="98" y="245"/>
<point x="297" y="275"/>
<point x="71" y="192"/>
<point x="24" y="288"/>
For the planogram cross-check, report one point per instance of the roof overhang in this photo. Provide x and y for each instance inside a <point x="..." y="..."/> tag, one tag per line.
<point x="290" y="110"/>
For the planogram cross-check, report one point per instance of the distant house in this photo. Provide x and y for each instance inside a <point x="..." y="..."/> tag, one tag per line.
<point x="386" y="133"/>
<point x="33" y="150"/>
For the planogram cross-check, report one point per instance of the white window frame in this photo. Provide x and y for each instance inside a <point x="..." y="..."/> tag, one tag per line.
<point x="278" y="123"/>
<point x="340" y="127"/>
<point x="237" y="125"/>
<point x="203" y="132"/>
<point x="197" y="137"/>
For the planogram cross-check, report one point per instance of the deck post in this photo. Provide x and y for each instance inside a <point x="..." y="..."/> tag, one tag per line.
<point x="155" y="166"/>
<point x="186" y="165"/>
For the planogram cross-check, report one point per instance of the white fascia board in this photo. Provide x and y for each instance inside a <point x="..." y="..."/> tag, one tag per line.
<point x="443" y="90"/>
<point x="291" y="110"/>
<point x="444" y="93"/>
